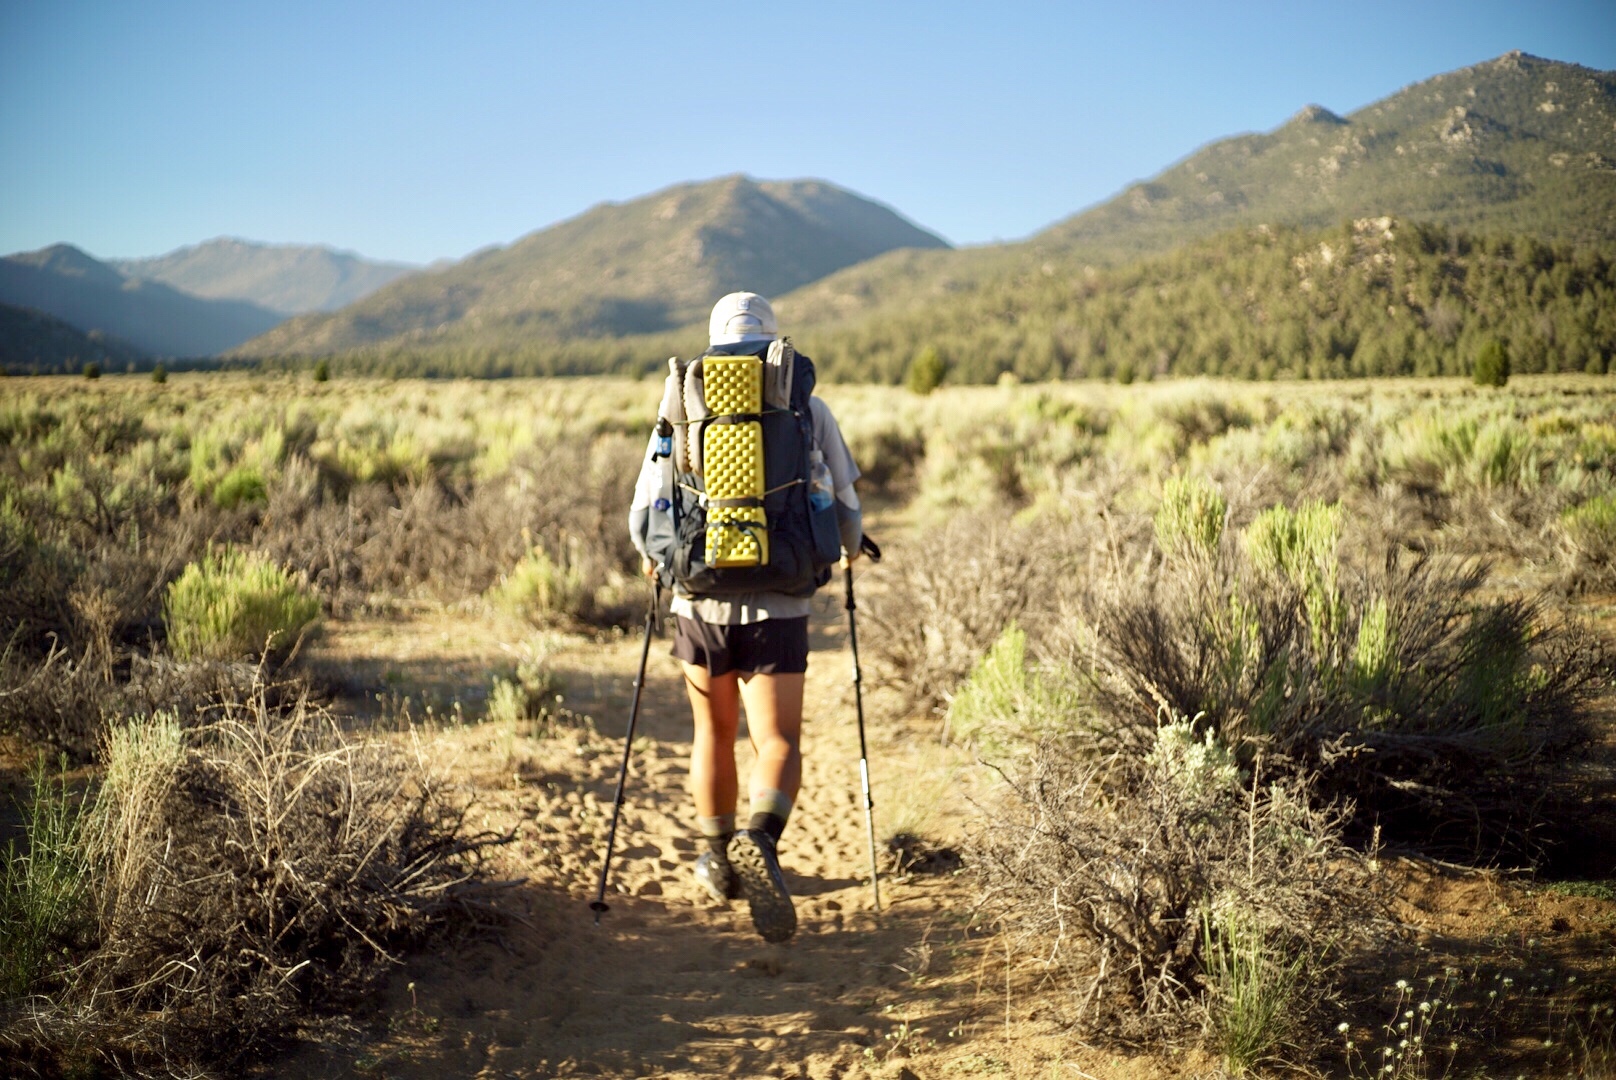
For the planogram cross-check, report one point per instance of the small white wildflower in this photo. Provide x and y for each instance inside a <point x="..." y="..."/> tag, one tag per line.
<point x="1425" y="1006"/>
<point x="1403" y="1026"/>
<point x="1402" y="984"/>
<point x="1403" y="1045"/>
<point x="1388" y="1069"/>
<point x="1570" y="979"/>
<point x="1343" y="1027"/>
<point x="1491" y="994"/>
<point x="1409" y="1015"/>
<point x="1508" y="981"/>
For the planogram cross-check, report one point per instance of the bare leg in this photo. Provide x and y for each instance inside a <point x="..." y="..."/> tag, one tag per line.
<point x="716" y="706"/>
<point x="774" y="722"/>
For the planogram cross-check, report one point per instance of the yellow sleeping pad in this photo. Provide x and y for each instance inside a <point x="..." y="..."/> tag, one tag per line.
<point x="732" y="461"/>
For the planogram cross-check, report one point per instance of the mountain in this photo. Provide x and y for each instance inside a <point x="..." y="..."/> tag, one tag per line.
<point x="1517" y="145"/>
<point x="652" y="264"/>
<point x="289" y="279"/>
<point x="33" y="343"/>
<point x="64" y="282"/>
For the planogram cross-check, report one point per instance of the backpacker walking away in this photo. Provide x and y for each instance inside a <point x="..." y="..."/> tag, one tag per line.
<point x="744" y="503"/>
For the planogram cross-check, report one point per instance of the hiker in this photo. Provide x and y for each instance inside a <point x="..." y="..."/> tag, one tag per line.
<point x="739" y="646"/>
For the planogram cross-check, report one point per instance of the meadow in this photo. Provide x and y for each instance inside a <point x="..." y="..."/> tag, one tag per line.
<point x="1195" y="662"/>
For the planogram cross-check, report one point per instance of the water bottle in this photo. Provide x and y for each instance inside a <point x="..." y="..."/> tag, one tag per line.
<point x="664" y="439"/>
<point x="820" y="492"/>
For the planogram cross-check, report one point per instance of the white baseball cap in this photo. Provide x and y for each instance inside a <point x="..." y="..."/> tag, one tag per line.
<point x="741" y="317"/>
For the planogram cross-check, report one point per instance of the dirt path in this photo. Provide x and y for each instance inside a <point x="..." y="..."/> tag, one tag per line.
<point x="669" y="983"/>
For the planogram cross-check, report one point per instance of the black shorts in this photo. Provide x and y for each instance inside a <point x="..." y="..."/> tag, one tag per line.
<point x="770" y="647"/>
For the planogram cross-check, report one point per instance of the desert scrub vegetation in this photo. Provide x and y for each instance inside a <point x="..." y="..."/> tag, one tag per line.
<point x="1172" y="892"/>
<point x="114" y="494"/>
<point x="233" y="869"/>
<point x="1446" y="715"/>
<point x="1207" y="612"/>
<point x="1226" y="644"/>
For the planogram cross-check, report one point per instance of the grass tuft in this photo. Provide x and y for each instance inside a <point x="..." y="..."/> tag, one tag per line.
<point x="42" y="886"/>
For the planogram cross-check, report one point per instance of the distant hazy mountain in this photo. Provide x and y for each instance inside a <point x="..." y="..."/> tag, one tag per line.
<point x="289" y="279"/>
<point x="651" y="264"/>
<point x="1518" y="144"/>
<point x="34" y="343"/>
<point x="64" y="282"/>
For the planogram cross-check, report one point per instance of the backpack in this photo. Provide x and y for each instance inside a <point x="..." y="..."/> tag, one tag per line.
<point x="736" y="517"/>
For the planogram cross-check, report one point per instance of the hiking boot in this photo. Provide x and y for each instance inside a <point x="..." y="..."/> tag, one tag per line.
<point x="718" y="877"/>
<point x="751" y="853"/>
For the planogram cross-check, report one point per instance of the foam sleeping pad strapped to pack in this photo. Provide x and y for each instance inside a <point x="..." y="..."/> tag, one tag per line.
<point x="732" y="461"/>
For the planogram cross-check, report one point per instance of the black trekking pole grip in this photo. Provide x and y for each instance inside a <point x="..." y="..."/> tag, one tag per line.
<point x="599" y="904"/>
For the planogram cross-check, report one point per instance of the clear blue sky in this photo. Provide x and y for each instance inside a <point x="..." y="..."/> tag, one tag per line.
<point x="421" y="131"/>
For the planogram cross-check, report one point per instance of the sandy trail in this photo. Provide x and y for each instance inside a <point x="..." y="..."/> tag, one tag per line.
<point x="669" y="983"/>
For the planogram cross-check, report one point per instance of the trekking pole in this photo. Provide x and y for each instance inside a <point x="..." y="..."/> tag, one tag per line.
<point x="599" y="905"/>
<point x="873" y="550"/>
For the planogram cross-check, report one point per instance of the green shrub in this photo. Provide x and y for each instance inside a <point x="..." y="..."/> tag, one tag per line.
<point x="234" y="604"/>
<point x="1591" y="528"/>
<point x="1297" y="544"/>
<point x="925" y="371"/>
<point x="159" y="374"/>
<point x="1300" y="547"/>
<point x="42" y="886"/>
<point x="242" y="484"/>
<point x="92" y="370"/>
<point x="1447" y="717"/>
<point x="1492" y="363"/>
<point x="1006" y="705"/>
<point x="1190" y="520"/>
<point x="526" y="699"/>
<point x="322" y="371"/>
<point x="541" y="589"/>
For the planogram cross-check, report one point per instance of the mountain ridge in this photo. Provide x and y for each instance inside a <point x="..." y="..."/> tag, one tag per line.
<point x="1546" y="184"/>
<point x="289" y="279"/>
<point x="66" y="283"/>
<point x="644" y="265"/>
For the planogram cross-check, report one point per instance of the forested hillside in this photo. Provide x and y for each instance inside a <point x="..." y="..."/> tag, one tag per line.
<point x="1372" y="297"/>
<point x="33" y="343"/>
